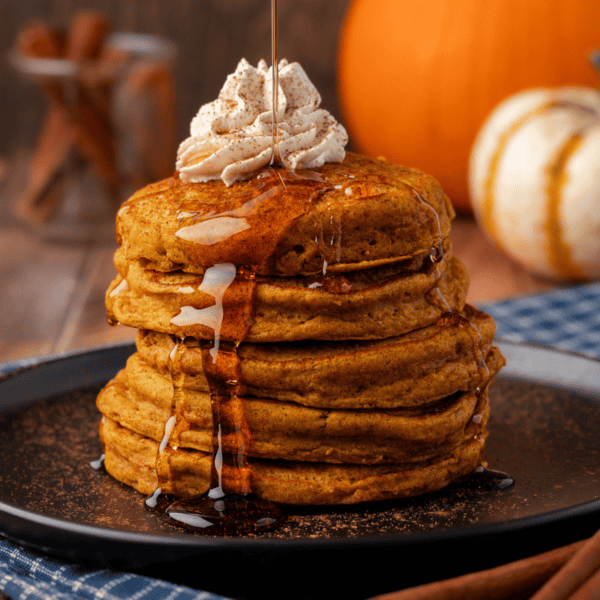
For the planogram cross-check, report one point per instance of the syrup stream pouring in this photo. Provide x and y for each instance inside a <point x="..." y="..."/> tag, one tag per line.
<point x="220" y="511"/>
<point x="275" y="83"/>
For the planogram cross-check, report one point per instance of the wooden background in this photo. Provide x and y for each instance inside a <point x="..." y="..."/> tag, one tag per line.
<point x="212" y="36"/>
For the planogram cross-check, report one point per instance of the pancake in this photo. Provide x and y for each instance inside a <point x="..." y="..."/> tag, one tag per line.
<point x="131" y="459"/>
<point x="140" y="399"/>
<point x="414" y="369"/>
<point x="315" y="319"/>
<point x="353" y="215"/>
<point x="377" y="303"/>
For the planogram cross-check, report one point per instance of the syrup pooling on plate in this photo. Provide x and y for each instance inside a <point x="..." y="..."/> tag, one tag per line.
<point x="490" y="479"/>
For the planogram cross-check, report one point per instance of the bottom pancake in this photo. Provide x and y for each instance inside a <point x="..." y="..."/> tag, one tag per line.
<point x="131" y="459"/>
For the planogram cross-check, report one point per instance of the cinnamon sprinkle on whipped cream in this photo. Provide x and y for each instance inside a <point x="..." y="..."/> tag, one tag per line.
<point x="232" y="136"/>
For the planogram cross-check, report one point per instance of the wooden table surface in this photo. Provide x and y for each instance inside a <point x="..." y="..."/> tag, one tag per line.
<point x="53" y="295"/>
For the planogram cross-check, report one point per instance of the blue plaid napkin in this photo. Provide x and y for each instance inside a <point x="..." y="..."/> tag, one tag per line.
<point x="567" y="318"/>
<point x="26" y="574"/>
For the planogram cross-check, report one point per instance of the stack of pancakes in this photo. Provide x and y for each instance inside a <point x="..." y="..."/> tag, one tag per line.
<point x="329" y="306"/>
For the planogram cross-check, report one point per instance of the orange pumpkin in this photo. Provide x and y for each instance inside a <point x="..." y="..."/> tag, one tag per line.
<point x="417" y="79"/>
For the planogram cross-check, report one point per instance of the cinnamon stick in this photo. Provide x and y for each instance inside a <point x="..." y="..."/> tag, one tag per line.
<point x="82" y="122"/>
<point x="38" y="40"/>
<point x="517" y="579"/>
<point x="86" y="36"/>
<point x="41" y="195"/>
<point x="581" y="567"/>
<point x="94" y="136"/>
<point x="42" y="191"/>
<point x="151" y="89"/>
<point x="589" y="590"/>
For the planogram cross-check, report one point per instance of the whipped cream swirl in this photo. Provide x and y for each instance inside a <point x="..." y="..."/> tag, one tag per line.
<point x="233" y="135"/>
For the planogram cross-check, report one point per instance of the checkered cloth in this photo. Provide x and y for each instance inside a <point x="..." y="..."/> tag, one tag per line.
<point x="26" y="574"/>
<point x="566" y="318"/>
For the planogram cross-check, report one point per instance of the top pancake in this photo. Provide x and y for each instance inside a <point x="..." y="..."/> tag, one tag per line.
<point x="340" y="217"/>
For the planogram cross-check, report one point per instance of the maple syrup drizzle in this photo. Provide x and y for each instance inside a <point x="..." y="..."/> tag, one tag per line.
<point x="267" y="205"/>
<point x="482" y="476"/>
<point x="241" y="228"/>
<point x="215" y="283"/>
<point x="275" y="84"/>
<point x="229" y="507"/>
<point x="449" y="318"/>
<point x="267" y="210"/>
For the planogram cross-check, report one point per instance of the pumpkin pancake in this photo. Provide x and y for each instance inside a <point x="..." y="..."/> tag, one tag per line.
<point x="315" y="319"/>
<point x="410" y="370"/>
<point x="351" y="215"/>
<point x="375" y="303"/>
<point x="141" y="399"/>
<point x="131" y="459"/>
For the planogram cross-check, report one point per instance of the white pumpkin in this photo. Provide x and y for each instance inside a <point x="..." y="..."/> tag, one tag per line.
<point x="534" y="179"/>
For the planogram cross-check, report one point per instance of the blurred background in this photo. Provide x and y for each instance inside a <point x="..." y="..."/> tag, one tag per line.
<point x="411" y="81"/>
<point x="53" y="274"/>
<point x="211" y="37"/>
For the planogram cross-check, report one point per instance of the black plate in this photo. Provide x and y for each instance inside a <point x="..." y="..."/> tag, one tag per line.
<point x="544" y="432"/>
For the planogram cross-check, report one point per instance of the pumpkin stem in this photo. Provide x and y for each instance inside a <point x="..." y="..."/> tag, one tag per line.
<point x="595" y="60"/>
